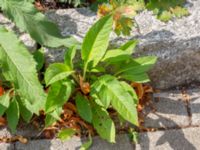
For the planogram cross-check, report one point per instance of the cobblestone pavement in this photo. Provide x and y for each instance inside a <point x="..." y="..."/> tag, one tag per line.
<point x="173" y="120"/>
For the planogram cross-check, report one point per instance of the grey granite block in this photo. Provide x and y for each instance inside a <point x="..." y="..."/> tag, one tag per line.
<point x="177" y="139"/>
<point x="175" y="43"/>
<point x="75" y="143"/>
<point x="170" y="111"/>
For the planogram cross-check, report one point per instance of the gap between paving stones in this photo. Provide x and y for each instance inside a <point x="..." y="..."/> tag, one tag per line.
<point x="168" y="128"/>
<point x="186" y="99"/>
<point x="194" y="107"/>
<point x="191" y="98"/>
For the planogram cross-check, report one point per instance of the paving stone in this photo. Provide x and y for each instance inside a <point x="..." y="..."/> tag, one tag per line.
<point x="6" y="146"/>
<point x="194" y="105"/>
<point x="179" y="139"/>
<point x="27" y="131"/>
<point x="55" y="144"/>
<point x="170" y="111"/>
<point x="123" y="143"/>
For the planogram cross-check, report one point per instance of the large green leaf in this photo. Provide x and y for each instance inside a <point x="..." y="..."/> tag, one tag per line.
<point x="137" y="66"/>
<point x="129" y="46"/>
<point x="103" y="123"/>
<point x="20" y="68"/>
<point x="121" y="54"/>
<point x="28" y="108"/>
<point x="59" y="93"/>
<point x="96" y="41"/>
<point x="69" y="56"/>
<point x="131" y="91"/>
<point x="29" y="19"/>
<point x="39" y="58"/>
<point x="12" y="114"/>
<point x="84" y="108"/>
<point x="4" y="102"/>
<point x="120" y="98"/>
<point x="101" y="95"/>
<point x="115" y="55"/>
<point x="25" y="111"/>
<point x="136" y="69"/>
<point x="56" y="72"/>
<point x="139" y="78"/>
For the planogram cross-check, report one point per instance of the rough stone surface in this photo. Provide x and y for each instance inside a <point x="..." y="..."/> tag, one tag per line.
<point x="75" y="22"/>
<point x="169" y="111"/>
<point x="194" y="105"/>
<point x="179" y="139"/>
<point x="75" y="143"/>
<point x="176" y="43"/>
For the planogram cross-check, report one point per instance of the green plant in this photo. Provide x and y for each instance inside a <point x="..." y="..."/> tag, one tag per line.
<point x="97" y="82"/>
<point x="18" y="68"/>
<point x="25" y="95"/>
